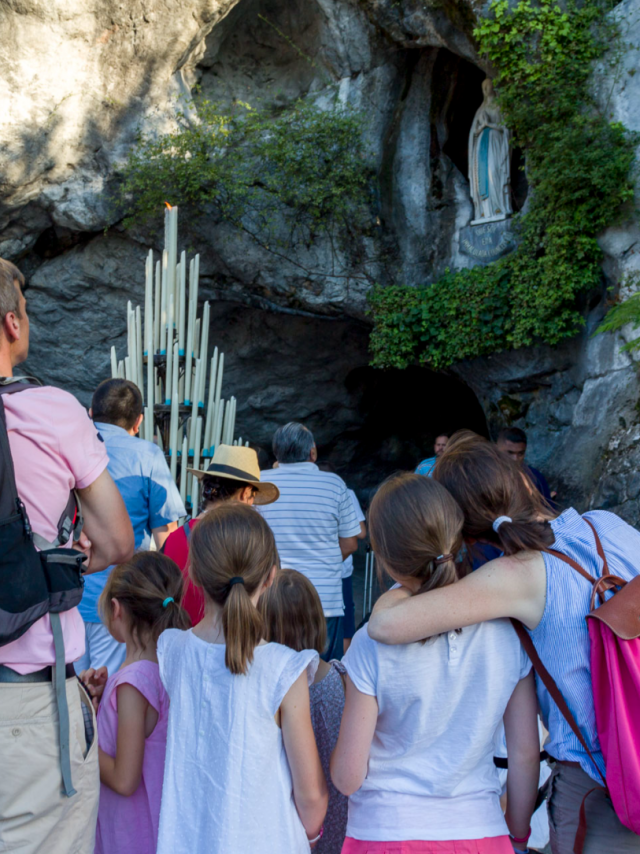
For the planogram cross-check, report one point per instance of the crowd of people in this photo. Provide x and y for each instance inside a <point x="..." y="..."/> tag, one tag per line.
<point x="238" y="708"/>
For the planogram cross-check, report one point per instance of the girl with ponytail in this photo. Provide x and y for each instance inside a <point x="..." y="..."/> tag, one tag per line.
<point x="532" y="584"/>
<point x="141" y="599"/>
<point x="242" y="769"/>
<point x="415" y="750"/>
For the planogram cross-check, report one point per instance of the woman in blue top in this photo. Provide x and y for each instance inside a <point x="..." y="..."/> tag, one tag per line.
<point x="503" y="508"/>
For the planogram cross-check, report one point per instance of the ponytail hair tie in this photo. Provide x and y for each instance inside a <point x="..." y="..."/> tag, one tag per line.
<point x="443" y="559"/>
<point x="237" y="580"/>
<point x="167" y="600"/>
<point x="497" y="522"/>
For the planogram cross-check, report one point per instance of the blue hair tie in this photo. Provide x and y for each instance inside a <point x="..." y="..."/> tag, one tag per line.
<point x="167" y="600"/>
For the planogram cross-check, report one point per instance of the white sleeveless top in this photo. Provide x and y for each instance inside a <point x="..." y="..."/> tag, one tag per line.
<point x="431" y="774"/>
<point x="227" y="784"/>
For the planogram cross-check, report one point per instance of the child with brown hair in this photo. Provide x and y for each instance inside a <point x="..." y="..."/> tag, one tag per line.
<point x="293" y="616"/>
<point x="140" y="600"/>
<point x="242" y="771"/>
<point x="415" y="751"/>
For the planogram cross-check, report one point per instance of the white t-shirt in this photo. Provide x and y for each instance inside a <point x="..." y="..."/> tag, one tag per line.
<point x="431" y="774"/>
<point x="227" y="783"/>
<point x="347" y="565"/>
<point x="313" y="512"/>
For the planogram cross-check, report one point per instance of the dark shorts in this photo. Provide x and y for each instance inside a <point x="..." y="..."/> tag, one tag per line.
<point x="335" y="639"/>
<point x="349" y="608"/>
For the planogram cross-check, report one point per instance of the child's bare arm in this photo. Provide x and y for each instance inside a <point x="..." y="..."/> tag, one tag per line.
<point x="309" y="786"/>
<point x="123" y="772"/>
<point x="350" y="759"/>
<point x="523" y="750"/>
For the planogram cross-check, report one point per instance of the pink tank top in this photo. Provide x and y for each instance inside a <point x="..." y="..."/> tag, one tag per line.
<point x="130" y="825"/>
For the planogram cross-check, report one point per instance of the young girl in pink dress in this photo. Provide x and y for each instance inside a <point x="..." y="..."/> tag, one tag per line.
<point x="142" y="599"/>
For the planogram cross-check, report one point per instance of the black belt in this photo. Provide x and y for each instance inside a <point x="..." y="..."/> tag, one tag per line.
<point x="44" y="675"/>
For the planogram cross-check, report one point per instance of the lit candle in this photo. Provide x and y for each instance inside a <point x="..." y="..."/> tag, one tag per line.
<point x="157" y="309"/>
<point x="182" y="301"/>
<point x="173" y="436"/>
<point x="114" y="363"/>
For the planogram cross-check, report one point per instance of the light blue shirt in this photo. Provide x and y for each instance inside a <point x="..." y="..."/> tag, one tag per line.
<point x="561" y="638"/>
<point x="140" y="472"/>
<point x="426" y="467"/>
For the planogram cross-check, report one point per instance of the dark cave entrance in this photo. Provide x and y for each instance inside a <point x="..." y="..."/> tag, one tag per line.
<point x="400" y="413"/>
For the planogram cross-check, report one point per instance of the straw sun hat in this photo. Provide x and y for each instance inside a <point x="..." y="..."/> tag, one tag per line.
<point x="234" y="462"/>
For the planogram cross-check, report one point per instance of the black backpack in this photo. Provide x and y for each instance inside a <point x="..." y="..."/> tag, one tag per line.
<point x="32" y="583"/>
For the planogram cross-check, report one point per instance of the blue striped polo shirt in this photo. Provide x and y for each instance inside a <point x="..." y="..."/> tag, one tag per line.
<point x="562" y="637"/>
<point x="314" y="510"/>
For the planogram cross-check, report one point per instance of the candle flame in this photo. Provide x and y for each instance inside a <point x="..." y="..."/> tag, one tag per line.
<point x="168" y="205"/>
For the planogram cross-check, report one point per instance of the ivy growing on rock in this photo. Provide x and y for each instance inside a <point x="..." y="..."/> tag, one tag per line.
<point x="283" y="179"/>
<point x="579" y="172"/>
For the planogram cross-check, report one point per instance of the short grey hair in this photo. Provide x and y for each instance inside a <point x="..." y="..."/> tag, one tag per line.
<point x="9" y="299"/>
<point x="293" y="443"/>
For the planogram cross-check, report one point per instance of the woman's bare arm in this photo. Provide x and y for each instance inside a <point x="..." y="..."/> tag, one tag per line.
<point x="523" y="751"/>
<point x="350" y="758"/>
<point x="309" y="786"/>
<point x="507" y="587"/>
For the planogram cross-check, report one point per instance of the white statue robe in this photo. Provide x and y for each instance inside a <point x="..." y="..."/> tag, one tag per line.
<point x="489" y="165"/>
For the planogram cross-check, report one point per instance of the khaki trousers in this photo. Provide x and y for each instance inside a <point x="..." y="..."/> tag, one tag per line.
<point x="605" y="833"/>
<point x="35" y="815"/>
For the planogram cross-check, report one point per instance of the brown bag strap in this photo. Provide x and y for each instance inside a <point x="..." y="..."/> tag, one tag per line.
<point x="600" y="550"/>
<point x="549" y="683"/>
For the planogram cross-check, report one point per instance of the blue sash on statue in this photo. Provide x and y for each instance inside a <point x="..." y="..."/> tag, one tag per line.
<point x="483" y="163"/>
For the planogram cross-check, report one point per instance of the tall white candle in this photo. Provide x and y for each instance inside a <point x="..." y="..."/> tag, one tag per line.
<point x="175" y="371"/>
<point x="121" y="374"/>
<point x="232" y="420"/>
<point x="157" y="309"/>
<point x="168" y="385"/>
<point x="204" y="347"/>
<point x="164" y="306"/>
<point x="114" y="363"/>
<point x="159" y="441"/>
<point x="173" y="436"/>
<point x="184" y="462"/>
<point x="211" y="403"/>
<point x="194" y="410"/>
<point x="196" y="465"/>
<point x="127" y="368"/>
<point x="139" y="362"/>
<point x="172" y="252"/>
<point x="219" y="424"/>
<point x="182" y="301"/>
<point x="148" y="298"/>
<point x="196" y="338"/>
<point x="219" y="379"/>
<point x="189" y="354"/>
<point x="151" y="397"/>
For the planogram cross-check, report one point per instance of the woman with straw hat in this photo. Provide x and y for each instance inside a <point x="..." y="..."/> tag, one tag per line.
<point x="233" y="475"/>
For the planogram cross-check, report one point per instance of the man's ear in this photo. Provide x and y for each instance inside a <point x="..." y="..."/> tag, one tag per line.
<point x="11" y="327"/>
<point x="313" y="456"/>
<point x="136" y="426"/>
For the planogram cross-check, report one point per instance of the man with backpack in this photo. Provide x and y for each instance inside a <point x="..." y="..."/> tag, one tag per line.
<point x="48" y="448"/>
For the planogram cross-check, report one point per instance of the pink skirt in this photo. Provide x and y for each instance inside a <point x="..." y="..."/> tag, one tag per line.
<point x="488" y="845"/>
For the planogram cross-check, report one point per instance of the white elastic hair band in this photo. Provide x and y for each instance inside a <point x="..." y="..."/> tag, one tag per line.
<point x="499" y="522"/>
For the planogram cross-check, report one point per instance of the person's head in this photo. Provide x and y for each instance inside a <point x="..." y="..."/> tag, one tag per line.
<point x="234" y="559"/>
<point x="416" y="531"/>
<point x="118" y="402"/>
<point x="440" y="444"/>
<point x="292" y="612"/>
<point x="513" y="442"/>
<point x="500" y="503"/>
<point x="234" y="475"/>
<point x="142" y="598"/>
<point x="14" y="321"/>
<point x="294" y="443"/>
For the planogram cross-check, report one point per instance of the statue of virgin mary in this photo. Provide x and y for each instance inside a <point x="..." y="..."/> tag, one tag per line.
<point x="489" y="161"/>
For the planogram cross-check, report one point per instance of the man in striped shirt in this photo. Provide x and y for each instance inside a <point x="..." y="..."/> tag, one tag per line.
<point x="314" y="523"/>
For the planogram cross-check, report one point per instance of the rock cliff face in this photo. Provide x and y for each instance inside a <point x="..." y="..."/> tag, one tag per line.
<point x="79" y="79"/>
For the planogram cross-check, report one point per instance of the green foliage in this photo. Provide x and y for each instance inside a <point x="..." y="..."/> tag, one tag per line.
<point x="578" y="167"/>
<point x="622" y="314"/>
<point x="282" y="179"/>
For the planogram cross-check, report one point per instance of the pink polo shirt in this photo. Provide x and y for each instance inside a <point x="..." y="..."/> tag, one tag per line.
<point x="55" y="448"/>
